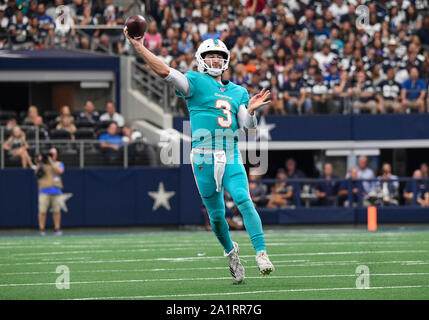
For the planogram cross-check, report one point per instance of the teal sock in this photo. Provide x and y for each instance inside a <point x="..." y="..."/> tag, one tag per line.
<point x="253" y="224"/>
<point x="216" y="210"/>
<point x="221" y="230"/>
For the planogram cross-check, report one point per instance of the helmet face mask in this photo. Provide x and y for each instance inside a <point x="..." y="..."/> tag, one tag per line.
<point x="205" y="65"/>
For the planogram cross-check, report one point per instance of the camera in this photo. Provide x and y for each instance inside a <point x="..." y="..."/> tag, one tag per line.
<point x="45" y="156"/>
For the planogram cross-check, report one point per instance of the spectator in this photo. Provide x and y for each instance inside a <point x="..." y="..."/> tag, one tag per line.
<point x="339" y="9"/>
<point x="255" y="85"/>
<point x="320" y="94"/>
<point x="301" y="61"/>
<point x="333" y="75"/>
<point x="87" y="36"/>
<point x="365" y="173"/>
<point x="240" y="76"/>
<point x="18" y="29"/>
<point x="233" y="34"/>
<point x="388" y="93"/>
<point x="17" y="147"/>
<point x="306" y="24"/>
<point x="111" y="143"/>
<point x="165" y="56"/>
<point x="240" y="47"/>
<point x="32" y="9"/>
<point x="211" y="32"/>
<point x="391" y="58"/>
<point x="175" y="52"/>
<point x="10" y="124"/>
<point x="321" y="34"/>
<point x="255" y="6"/>
<point x="65" y="111"/>
<point x="324" y="57"/>
<point x="346" y="57"/>
<point x="32" y="117"/>
<point x="333" y="78"/>
<point x="185" y="45"/>
<point x="418" y="186"/>
<point x="4" y="22"/>
<point x="48" y="172"/>
<point x="43" y="130"/>
<point x="327" y="190"/>
<point x="424" y="168"/>
<point x="188" y="63"/>
<point x="413" y="92"/>
<point x="66" y="123"/>
<point x="130" y="134"/>
<point x="363" y="90"/>
<point x="342" y="93"/>
<point x="389" y="189"/>
<point x="152" y="38"/>
<point x="46" y="24"/>
<point x="10" y="9"/>
<point x="89" y="113"/>
<point x="276" y="98"/>
<point x="281" y="193"/>
<point x="294" y="95"/>
<point x="257" y="190"/>
<point x="112" y="38"/>
<point x="35" y="35"/>
<point x="292" y="171"/>
<point x="112" y="115"/>
<point x="337" y="45"/>
<point x="356" y="188"/>
<point x="423" y="33"/>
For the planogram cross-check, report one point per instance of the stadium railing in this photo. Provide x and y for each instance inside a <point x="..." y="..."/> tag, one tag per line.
<point x="304" y="194"/>
<point x="83" y="152"/>
<point x="153" y="87"/>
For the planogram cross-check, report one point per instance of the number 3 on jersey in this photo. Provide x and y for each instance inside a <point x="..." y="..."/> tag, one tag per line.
<point x="226" y="109"/>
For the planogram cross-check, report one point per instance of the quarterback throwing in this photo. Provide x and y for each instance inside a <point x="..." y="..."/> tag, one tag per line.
<point x="218" y="109"/>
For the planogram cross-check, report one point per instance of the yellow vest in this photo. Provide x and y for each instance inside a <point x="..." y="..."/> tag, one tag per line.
<point x="50" y="178"/>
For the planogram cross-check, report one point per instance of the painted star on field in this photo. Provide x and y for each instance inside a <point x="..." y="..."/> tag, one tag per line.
<point x="161" y="197"/>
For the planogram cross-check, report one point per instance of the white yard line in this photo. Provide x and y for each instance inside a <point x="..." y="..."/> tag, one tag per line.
<point x="210" y="279"/>
<point x="191" y="246"/>
<point x="278" y="264"/>
<point x="186" y="259"/>
<point x="249" y="292"/>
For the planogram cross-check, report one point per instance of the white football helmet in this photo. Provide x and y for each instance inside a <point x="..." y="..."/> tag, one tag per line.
<point x="212" y="45"/>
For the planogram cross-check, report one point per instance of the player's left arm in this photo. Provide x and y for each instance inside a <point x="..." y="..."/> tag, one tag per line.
<point x="246" y="116"/>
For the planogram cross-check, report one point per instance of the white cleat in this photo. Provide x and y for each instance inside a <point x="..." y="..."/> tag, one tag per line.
<point x="235" y="266"/>
<point x="264" y="264"/>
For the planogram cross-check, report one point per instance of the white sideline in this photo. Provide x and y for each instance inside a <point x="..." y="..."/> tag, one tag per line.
<point x="208" y="279"/>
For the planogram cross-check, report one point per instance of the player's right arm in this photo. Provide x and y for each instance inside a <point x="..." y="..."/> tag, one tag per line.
<point x="158" y="66"/>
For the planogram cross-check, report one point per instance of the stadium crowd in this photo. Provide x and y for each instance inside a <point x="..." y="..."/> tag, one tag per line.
<point x="311" y="54"/>
<point x="361" y="186"/>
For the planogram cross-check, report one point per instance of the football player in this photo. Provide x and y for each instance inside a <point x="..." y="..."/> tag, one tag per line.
<point x="216" y="109"/>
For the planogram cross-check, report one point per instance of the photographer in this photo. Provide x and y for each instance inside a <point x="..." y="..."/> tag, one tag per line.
<point x="48" y="173"/>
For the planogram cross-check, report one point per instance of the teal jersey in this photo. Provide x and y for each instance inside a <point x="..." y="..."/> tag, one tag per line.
<point x="213" y="109"/>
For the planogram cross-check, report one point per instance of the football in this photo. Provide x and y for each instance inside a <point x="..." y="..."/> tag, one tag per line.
<point x="136" y="26"/>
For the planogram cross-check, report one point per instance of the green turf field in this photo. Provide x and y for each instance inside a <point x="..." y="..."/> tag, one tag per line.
<point x="311" y="263"/>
